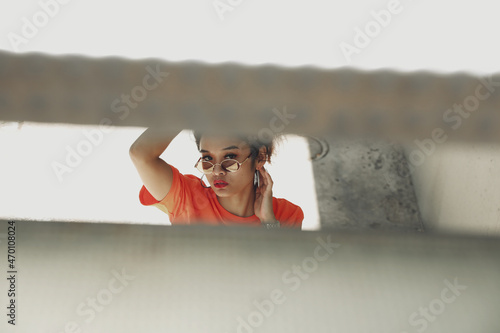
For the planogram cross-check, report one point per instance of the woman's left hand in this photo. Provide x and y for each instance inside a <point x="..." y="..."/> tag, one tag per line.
<point x="263" y="206"/>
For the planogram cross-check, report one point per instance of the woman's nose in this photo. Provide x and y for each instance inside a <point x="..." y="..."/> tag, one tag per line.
<point x="218" y="170"/>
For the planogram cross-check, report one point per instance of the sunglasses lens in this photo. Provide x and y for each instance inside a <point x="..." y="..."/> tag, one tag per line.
<point x="206" y="167"/>
<point x="230" y="165"/>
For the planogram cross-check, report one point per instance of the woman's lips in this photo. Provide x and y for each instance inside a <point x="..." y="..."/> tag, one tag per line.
<point x="220" y="184"/>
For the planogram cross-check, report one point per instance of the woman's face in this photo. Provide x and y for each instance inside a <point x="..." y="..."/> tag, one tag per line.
<point x="215" y="149"/>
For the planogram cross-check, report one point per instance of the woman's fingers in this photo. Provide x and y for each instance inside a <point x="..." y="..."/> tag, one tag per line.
<point x="268" y="176"/>
<point x="267" y="180"/>
<point x="264" y="176"/>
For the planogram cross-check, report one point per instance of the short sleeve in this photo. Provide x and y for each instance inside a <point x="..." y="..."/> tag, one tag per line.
<point x="179" y="195"/>
<point x="295" y="219"/>
<point x="289" y="214"/>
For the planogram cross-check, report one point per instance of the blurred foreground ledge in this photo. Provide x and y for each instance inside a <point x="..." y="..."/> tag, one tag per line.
<point x="125" y="278"/>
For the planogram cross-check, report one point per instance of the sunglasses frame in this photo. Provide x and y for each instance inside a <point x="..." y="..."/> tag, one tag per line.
<point x="213" y="165"/>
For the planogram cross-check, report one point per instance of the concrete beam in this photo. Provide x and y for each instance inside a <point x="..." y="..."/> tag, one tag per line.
<point x="233" y="97"/>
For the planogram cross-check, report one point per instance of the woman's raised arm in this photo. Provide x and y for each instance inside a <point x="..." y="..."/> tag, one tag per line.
<point x="145" y="152"/>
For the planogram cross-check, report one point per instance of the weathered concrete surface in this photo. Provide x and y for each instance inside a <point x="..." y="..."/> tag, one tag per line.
<point x="209" y="279"/>
<point x="363" y="184"/>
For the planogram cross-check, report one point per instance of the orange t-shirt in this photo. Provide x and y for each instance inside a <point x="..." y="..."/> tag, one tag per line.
<point x="188" y="202"/>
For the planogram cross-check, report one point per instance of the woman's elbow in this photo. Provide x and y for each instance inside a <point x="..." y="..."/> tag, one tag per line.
<point x="135" y="152"/>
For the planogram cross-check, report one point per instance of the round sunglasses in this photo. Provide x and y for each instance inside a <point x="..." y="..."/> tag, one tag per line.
<point x="229" y="165"/>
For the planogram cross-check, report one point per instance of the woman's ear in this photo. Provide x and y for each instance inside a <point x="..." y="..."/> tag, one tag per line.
<point x="261" y="158"/>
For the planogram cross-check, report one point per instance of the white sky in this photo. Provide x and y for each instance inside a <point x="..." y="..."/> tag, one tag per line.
<point x="442" y="36"/>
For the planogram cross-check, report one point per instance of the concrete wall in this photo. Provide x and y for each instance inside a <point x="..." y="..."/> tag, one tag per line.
<point x="98" y="277"/>
<point x="457" y="187"/>
<point x="360" y="186"/>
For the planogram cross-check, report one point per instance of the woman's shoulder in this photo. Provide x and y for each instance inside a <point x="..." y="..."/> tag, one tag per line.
<point x="288" y="213"/>
<point x="284" y="206"/>
<point x="284" y="202"/>
<point x="185" y="188"/>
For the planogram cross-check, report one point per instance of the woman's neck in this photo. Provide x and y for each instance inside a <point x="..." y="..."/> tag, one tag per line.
<point x="240" y="204"/>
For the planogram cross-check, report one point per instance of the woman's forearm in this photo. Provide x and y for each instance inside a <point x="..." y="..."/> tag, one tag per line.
<point x="151" y="143"/>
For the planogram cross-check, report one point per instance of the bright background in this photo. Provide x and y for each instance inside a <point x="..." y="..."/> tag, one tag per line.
<point x="442" y="36"/>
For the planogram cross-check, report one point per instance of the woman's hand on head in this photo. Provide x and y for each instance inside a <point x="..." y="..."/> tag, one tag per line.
<point x="263" y="205"/>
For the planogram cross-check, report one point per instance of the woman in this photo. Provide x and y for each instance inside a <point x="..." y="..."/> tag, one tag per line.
<point x="240" y="191"/>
